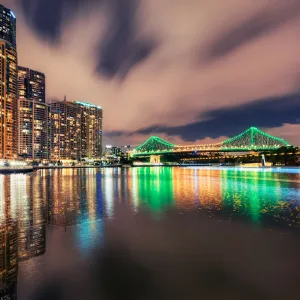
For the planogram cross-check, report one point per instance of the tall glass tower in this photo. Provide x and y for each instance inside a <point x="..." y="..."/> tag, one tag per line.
<point x="8" y="26"/>
<point x="32" y="115"/>
<point x="31" y="84"/>
<point x="8" y="84"/>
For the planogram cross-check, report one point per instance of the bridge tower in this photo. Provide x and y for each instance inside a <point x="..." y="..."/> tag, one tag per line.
<point x="155" y="159"/>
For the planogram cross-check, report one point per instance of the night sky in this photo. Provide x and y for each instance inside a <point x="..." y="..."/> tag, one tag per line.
<point x="186" y="70"/>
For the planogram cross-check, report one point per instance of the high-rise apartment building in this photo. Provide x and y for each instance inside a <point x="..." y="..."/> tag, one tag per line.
<point x="31" y="84"/>
<point x="8" y="84"/>
<point x="65" y="131"/>
<point x="33" y="130"/>
<point x="8" y="26"/>
<point x="91" y="130"/>
<point x="76" y="130"/>
<point x="32" y="115"/>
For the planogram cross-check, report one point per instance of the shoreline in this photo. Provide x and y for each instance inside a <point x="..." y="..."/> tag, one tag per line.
<point x="16" y="170"/>
<point x="28" y="169"/>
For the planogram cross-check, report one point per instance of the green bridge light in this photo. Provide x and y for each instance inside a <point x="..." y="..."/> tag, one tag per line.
<point x="249" y="140"/>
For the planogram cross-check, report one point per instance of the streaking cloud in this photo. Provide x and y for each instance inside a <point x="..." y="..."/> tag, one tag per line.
<point x="164" y="64"/>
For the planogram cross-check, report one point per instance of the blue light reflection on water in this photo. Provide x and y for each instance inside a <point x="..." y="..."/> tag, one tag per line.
<point x="78" y="196"/>
<point x="89" y="235"/>
<point x="84" y="199"/>
<point x="82" y="196"/>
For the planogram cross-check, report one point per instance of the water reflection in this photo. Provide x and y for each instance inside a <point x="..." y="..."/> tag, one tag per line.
<point x="154" y="188"/>
<point x="77" y="200"/>
<point x="23" y="217"/>
<point x="32" y="217"/>
<point x="8" y="242"/>
<point x="83" y="197"/>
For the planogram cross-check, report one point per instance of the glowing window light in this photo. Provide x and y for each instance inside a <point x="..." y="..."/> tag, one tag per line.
<point x="12" y="14"/>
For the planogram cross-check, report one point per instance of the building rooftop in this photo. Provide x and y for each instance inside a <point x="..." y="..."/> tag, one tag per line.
<point x="88" y="104"/>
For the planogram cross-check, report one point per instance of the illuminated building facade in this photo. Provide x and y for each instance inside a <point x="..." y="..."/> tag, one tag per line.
<point x="8" y="26"/>
<point x="65" y="130"/>
<point x="113" y="151"/>
<point x="31" y="85"/>
<point x="91" y="130"/>
<point x="125" y="149"/>
<point x="33" y="115"/>
<point x="76" y="130"/>
<point x="33" y="130"/>
<point x="8" y="84"/>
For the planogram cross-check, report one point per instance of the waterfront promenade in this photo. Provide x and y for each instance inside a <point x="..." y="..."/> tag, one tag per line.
<point x="15" y="169"/>
<point x="28" y="169"/>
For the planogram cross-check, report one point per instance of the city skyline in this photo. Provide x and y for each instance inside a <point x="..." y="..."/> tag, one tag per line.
<point x="31" y="128"/>
<point x="143" y="136"/>
<point x="185" y="86"/>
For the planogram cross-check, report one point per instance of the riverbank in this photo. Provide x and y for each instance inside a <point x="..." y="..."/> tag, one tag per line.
<point x="16" y="169"/>
<point x="27" y="169"/>
<point x="108" y="166"/>
<point x="73" y="167"/>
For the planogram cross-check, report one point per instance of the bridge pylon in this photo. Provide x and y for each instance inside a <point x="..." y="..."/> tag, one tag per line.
<point x="155" y="159"/>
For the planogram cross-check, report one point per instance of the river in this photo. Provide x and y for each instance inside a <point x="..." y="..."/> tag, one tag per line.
<point x="53" y="220"/>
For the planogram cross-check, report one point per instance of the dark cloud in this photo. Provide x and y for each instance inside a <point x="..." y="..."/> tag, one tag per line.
<point x="47" y="17"/>
<point x="120" y="49"/>
<point x="157" y="93"/>
<point x="271" y="112"/>
<point x="254" y="27"/>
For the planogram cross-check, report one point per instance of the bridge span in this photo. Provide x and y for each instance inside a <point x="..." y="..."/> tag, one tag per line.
<point x="253" y="139"/>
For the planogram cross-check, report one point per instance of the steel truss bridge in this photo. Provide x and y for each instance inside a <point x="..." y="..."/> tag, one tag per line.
<point x="252" y="139"/>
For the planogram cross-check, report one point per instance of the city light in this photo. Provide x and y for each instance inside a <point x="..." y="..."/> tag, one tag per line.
<point x="16" y="163"/>
<point x="88" y="104"/>
<point x="251" y="139"/>
<point x="155" y="143"/>
<point x="205" y="215"/>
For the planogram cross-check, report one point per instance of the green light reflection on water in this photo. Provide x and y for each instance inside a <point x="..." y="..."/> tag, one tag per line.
<point x="155" y="188"/>
<point x="252" y="193"/>
<point x="244" y="193"/>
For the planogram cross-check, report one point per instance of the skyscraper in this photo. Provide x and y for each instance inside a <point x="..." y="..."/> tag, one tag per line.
<point x="31" y="84"/>
<point x="8" y="26"/>
<point x="33" y="130"/>
<point x="91" y="130"/>
<point x="32" y="115"/>
<point x="65" y="131"/>
<point x="8" y="84"/>
<point x="76" y="130"/>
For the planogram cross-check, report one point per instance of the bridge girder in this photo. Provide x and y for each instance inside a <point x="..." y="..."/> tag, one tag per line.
<point x="252" y="139"/>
